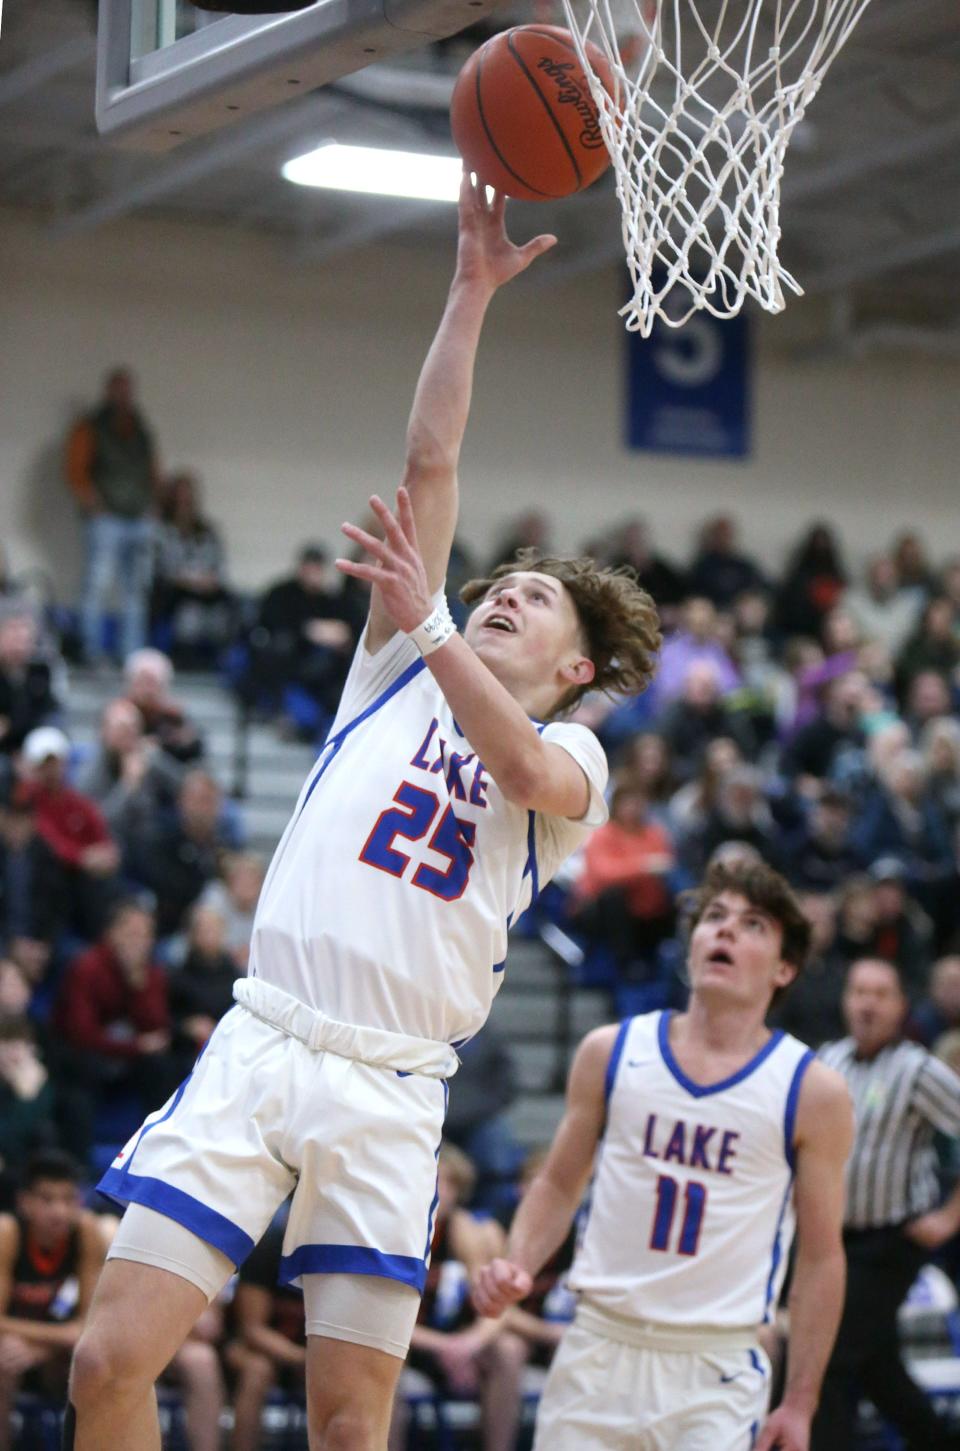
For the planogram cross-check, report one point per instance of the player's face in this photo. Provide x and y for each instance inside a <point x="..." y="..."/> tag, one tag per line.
<point x="735" y="952"/>
<point x="51" y="1208"/>
<point x="526" y="632"/>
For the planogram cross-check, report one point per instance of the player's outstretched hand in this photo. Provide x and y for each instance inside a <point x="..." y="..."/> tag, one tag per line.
<point x="397" y="567"/>
<point x="785" y="1430"/>
<point x="499" y="1285"/>
<point x="485" y="253"/>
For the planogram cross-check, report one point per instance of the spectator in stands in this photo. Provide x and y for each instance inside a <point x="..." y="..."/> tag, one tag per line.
<point x="26" y="1095"/>
<point x="817" y="750"/>
<point x="813" y="583"/>
<point x="893" y="1218"/>
<point x="755" y="649"/>
<point x="901" y="930"/>
<point x="913" y="563"/>
<point x="933" y="646"/>
<point x="270" y="1347"/>
<point x="698" y="716"/>
<point x="176" y="858"/>
<point x="148" y="676"/>
<point x="692" y="805"/>
<point x="14" y="991"/>
<point x="191" y="600"/>
<point x="647" y="763"/>
<point x="928" y="697"/>
<point x="940" y="747"/>
<point x="632" y="547"/>
<point x="949" y="582"/>
<point x="694" y="643"/>
<point x="130" y="777"/>
<point x="883" y="609"/>
<point x="73" y="828"/>
<point x="461" y="1354"/>
<point x="51" y="1252"/>
<point x="939" y="1011"/>
<point x="741" y="814"/>
<point x="813" y="1008"/>
<point x="32" y="888"/>
<point x="529" y="530"/>
<point x="27" y="697"/>
<point x="719" y="571"/>
<point x="302" y="644"/>
<point x="234" y="896"/>
<point x="476" y="1120"/>
<point x="622" y="896"/>
<point x="820" y="856"/>
<point x="899" y="819"/>
<point x="201" y="990"/>
<point x="113" y="1025"/>
<point x="112" y="469"/>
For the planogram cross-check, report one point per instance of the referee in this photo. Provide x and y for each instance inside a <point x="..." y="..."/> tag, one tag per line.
<point x="901" y="1094"/>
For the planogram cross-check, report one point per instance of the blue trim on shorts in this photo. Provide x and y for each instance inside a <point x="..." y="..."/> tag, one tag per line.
<point x="350" y="1259"/>
<point x="206" y="1223"/>
<point x="168" y="1113"/>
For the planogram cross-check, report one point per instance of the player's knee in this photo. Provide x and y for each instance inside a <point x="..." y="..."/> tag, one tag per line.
<point x="102" y="1364"/>
<point x="350" y="1428"/>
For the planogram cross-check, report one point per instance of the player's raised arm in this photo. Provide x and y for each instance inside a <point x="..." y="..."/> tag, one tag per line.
<point x="546" y="1211"/>
<point x="486" y="259"/>
<point x="824" y="1139"/>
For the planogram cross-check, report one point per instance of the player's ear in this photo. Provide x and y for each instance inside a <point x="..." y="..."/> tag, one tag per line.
<point x="785" y="973"/>
<point x="578" y="671"/>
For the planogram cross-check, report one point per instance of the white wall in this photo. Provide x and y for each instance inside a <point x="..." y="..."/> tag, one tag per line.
<point x="287" y="388"/>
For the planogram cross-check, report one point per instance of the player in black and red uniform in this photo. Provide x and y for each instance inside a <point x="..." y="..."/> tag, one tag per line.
<point x="51" y="1252"/>
<point x="271" y="1344"/>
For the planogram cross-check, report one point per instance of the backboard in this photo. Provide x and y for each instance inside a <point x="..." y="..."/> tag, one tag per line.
<point x="167" y="72"/>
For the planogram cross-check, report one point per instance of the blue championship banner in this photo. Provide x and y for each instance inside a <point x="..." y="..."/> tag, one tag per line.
<point x="688" y="388"/>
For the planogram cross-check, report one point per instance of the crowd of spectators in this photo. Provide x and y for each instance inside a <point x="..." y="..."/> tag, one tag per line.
<point x="808" y="715"/>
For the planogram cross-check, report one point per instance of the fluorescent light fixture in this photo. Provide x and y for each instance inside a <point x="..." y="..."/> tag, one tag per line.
<point x="376" y="172"/>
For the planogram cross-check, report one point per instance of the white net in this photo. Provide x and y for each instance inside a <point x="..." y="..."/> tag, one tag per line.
<point x="707" y="96"/>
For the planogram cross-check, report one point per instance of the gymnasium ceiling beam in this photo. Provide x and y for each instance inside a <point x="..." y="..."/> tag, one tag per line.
<point x="190" y="167"/>
<point x="40" y="69"/>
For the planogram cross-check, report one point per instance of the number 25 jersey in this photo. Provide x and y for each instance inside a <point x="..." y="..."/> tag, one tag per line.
<point x="389" y="896"/>
<point x="691" y="1213"/>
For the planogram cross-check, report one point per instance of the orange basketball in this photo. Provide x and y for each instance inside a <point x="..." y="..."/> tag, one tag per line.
<point x="523" y="117"/>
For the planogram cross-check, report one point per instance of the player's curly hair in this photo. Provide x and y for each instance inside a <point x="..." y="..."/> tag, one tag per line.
<point x="618" y="618"/>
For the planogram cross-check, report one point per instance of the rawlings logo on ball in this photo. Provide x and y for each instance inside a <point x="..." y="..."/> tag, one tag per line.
<point x="571" y="92"/>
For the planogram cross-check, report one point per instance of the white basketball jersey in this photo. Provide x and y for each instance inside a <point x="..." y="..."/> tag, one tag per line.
<point x="691" y="1216"/>
<point x="389" y="896"/>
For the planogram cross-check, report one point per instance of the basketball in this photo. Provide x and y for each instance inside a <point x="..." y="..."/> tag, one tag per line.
<point x="523" y="117"/>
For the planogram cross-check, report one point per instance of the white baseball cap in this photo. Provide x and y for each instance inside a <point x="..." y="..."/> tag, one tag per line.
<point x="44" y="742"/>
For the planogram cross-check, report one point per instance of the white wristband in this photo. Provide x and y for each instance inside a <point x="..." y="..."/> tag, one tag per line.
<point x="435" y="630"/>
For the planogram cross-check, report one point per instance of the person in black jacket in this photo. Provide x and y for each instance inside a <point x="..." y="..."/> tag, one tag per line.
<point x="26" y="688"/>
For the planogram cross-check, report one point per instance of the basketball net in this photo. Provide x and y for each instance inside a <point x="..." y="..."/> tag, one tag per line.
<point x="707" y="97"/>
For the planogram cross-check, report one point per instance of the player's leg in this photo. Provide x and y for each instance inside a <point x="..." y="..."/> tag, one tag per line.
<point x="590" y="1400"/>
<point x="139" y="1318"/>
<point x="501" y="1389"/>
<point x="358" y="1332"/>
<point x="197" y="1367"/>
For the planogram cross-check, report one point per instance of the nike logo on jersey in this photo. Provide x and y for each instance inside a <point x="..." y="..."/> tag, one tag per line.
<point x="726" y="1379"/>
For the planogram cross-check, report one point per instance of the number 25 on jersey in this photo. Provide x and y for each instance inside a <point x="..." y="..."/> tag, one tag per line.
<point x="411" y="819"/>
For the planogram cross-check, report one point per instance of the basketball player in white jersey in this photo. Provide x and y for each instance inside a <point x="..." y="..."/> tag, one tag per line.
<point x="439" y="804"/>
<point x="715" y="1138"/>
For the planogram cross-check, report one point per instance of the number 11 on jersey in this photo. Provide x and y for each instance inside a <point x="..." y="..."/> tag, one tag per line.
<point x="694" y="1204"/>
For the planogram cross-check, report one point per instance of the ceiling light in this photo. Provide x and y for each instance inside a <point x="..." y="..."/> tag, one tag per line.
<point x="377" y="172"/>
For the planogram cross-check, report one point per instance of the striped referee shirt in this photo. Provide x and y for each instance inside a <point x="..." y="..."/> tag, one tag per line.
<point x="899" y="1098"/>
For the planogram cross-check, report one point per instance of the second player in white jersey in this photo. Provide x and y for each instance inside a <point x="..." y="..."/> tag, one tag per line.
<point x="713" y="1164"/>
<point x="708" y="1137"/>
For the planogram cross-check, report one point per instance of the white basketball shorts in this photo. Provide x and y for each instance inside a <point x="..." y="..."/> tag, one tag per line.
<point x="263" y="1114"/>
<point x="604" y="1395"/>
